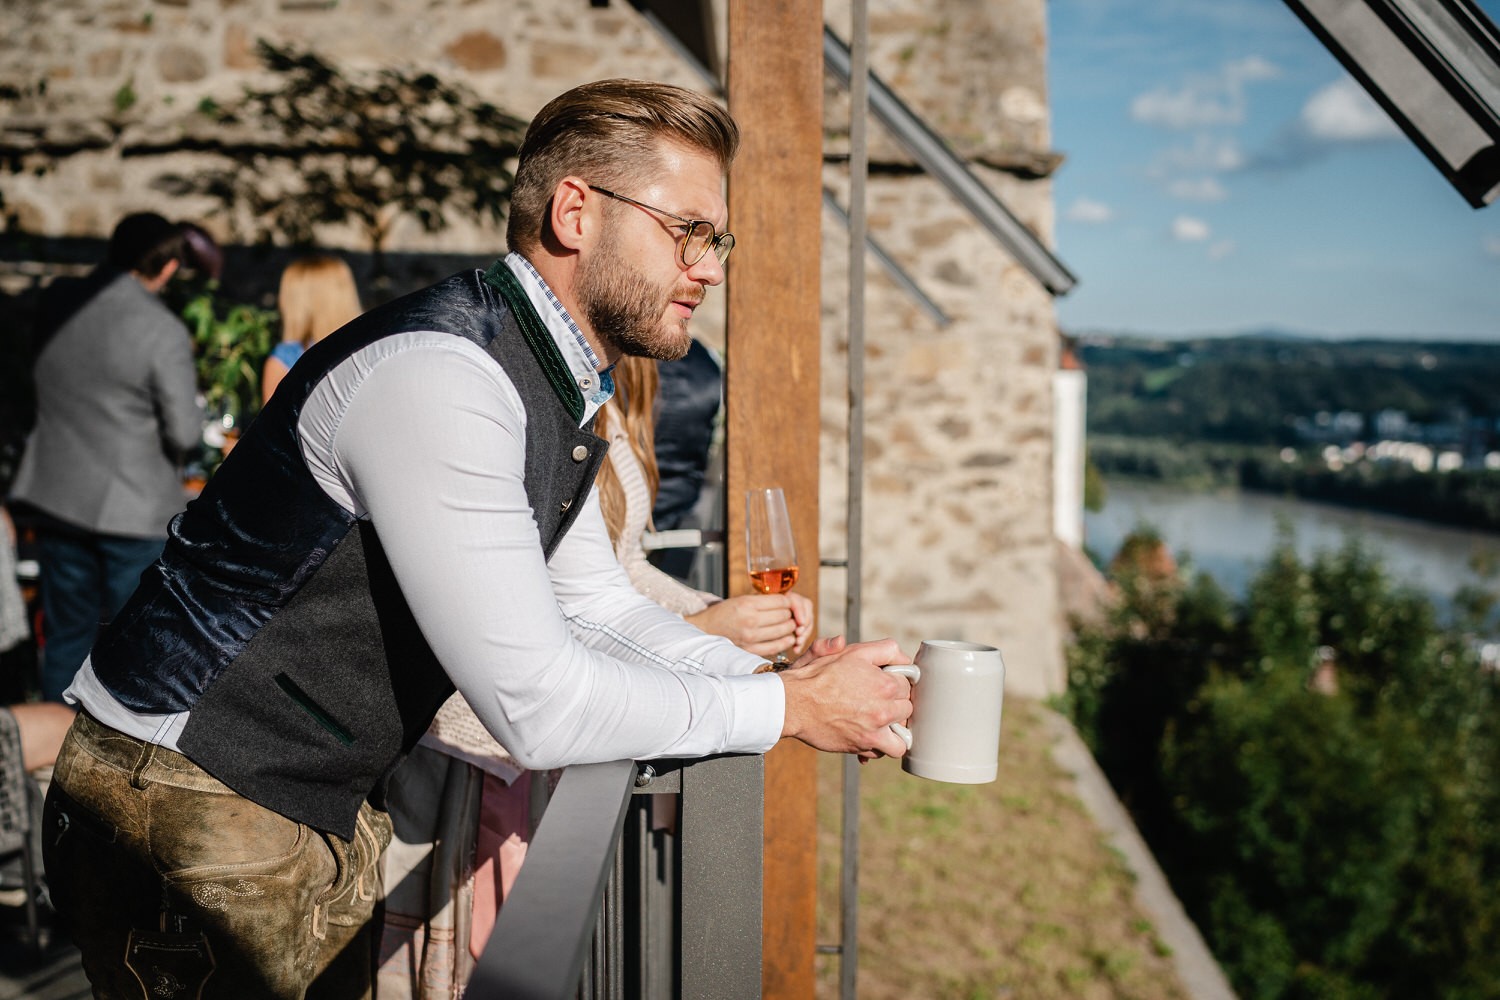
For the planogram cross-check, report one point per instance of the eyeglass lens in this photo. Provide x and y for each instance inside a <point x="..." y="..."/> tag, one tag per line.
<point x="700" y="238"/>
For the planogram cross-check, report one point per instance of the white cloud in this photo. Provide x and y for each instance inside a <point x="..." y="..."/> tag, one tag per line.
<point x="1197" y="189"/>
<point x="1188" y="107"/>
<point x="1206" y="154"/>
<point x="1187" y="229"/>
<point x="1337" y="116"/>
<point x="1221" y="249"/>
<point x="1251" y="69"/>
<point x="1089" y="211"/>
<point x="1203" y="99"/>
<point x="1343" y="112"/>
<point x="1492" y="245"/>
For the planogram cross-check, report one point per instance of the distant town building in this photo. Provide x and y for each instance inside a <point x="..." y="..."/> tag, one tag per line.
<point x="1341" y="427"/>
<point x="1392" y="424"/>
<point x="1070" y="410"/>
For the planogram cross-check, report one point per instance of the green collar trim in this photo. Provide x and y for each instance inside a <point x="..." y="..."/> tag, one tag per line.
<point x="534" y="331"/>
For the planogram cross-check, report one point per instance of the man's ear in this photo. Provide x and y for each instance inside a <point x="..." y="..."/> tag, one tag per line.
<point x="568" y="214"/>
<point x="158" y="281"/>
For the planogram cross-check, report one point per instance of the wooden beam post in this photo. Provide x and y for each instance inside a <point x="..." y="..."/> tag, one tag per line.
<point x="773" y="347"/>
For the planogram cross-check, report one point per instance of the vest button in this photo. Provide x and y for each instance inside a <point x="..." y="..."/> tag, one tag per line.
<point x="580" y="453"/>
<point x="565" y="505"/>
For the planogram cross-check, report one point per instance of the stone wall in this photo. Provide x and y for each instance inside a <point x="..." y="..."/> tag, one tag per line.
<point x="959" y="418"/>
<point x="959" y="455"/>
<point x="123" y="79"/>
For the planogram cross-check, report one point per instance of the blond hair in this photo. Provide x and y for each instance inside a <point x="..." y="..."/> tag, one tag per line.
<point x="317" y="296"/>
<point x="634" y="403"/>
<point x="609" y="132"/>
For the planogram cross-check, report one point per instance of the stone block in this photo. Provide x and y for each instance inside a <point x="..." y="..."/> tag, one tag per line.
<point x="106" y="62"/>
<point x="477" y="51"/>
<point x="105" y="180"/>
<point x="239" y="48"/>
<point x="83" y="220"/>
<point x="554" y="59"/>
<point x="133" y="25"/>
<point x="29" y="216"/>
<point x="180" y="64"/>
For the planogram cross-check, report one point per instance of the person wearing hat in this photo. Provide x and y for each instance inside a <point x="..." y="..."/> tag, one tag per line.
<point x="117" y="408"/>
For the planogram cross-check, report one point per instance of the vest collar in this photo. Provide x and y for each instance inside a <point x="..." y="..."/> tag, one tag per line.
<point x="534" y="332"/>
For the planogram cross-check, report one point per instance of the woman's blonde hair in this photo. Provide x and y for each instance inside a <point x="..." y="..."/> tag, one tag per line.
<point x="633" y="404"/>
<point x="317" y="296"/>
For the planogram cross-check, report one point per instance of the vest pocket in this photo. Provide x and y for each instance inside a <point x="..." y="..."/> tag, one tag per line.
<point x="320" y="715"/>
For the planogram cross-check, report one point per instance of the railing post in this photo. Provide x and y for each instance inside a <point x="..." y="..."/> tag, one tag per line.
<point x="721" y="830"/>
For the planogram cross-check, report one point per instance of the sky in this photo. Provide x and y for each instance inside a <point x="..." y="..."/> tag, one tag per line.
<point x="1223" y="174"/>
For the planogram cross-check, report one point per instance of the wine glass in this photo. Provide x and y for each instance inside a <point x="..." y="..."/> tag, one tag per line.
<point x="770" y="551"/>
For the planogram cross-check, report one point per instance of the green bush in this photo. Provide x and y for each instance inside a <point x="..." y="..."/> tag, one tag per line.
<point x="230" y="344"/>
<point x="1318" y="771"/>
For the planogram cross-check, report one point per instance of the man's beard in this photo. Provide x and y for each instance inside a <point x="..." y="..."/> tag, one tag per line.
<point x="627" y="310"/>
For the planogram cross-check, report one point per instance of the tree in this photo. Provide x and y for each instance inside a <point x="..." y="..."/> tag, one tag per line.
<point x="1318" y="771"/>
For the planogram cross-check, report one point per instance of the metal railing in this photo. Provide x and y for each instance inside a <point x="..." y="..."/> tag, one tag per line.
<point x="641" y="881"/>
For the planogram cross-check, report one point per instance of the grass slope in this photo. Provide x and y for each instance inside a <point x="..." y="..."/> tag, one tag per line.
<point x="1004" y="890"/>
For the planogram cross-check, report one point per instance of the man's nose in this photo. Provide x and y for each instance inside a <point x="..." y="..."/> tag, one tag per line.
<point x="708" y="270"/>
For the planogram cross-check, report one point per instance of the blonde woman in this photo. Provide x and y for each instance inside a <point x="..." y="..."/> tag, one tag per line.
<point x="764" y="624"/>
<point x="317" y="296"/>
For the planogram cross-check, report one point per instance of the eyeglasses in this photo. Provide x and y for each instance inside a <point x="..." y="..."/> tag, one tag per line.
<point x="698" y="235"/>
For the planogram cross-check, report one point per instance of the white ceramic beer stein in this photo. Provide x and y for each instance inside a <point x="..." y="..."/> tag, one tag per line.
<point x="958" y="690"/>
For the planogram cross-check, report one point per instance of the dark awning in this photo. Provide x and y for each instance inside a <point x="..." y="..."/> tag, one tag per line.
<point x="1434" y="66"/>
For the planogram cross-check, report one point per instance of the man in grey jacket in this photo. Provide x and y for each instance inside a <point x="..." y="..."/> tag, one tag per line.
<point x="116" y="410"/>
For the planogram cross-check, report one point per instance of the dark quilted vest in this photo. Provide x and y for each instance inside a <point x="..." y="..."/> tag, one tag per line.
<point x="273" y="615"/>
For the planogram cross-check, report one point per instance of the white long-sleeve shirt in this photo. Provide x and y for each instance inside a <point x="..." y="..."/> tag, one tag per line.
<point x="424" y="435"/>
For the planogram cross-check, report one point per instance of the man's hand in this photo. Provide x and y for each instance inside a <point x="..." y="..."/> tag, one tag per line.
<point x="838" y="699"/>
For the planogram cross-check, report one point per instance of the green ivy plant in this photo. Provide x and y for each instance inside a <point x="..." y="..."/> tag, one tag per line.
<point x="230" y="344"/>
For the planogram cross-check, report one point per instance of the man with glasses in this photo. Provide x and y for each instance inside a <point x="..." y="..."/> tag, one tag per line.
<point x="412" y="512"/>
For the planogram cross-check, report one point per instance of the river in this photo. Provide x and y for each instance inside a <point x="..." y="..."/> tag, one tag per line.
<point x="1228" y="534"/>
